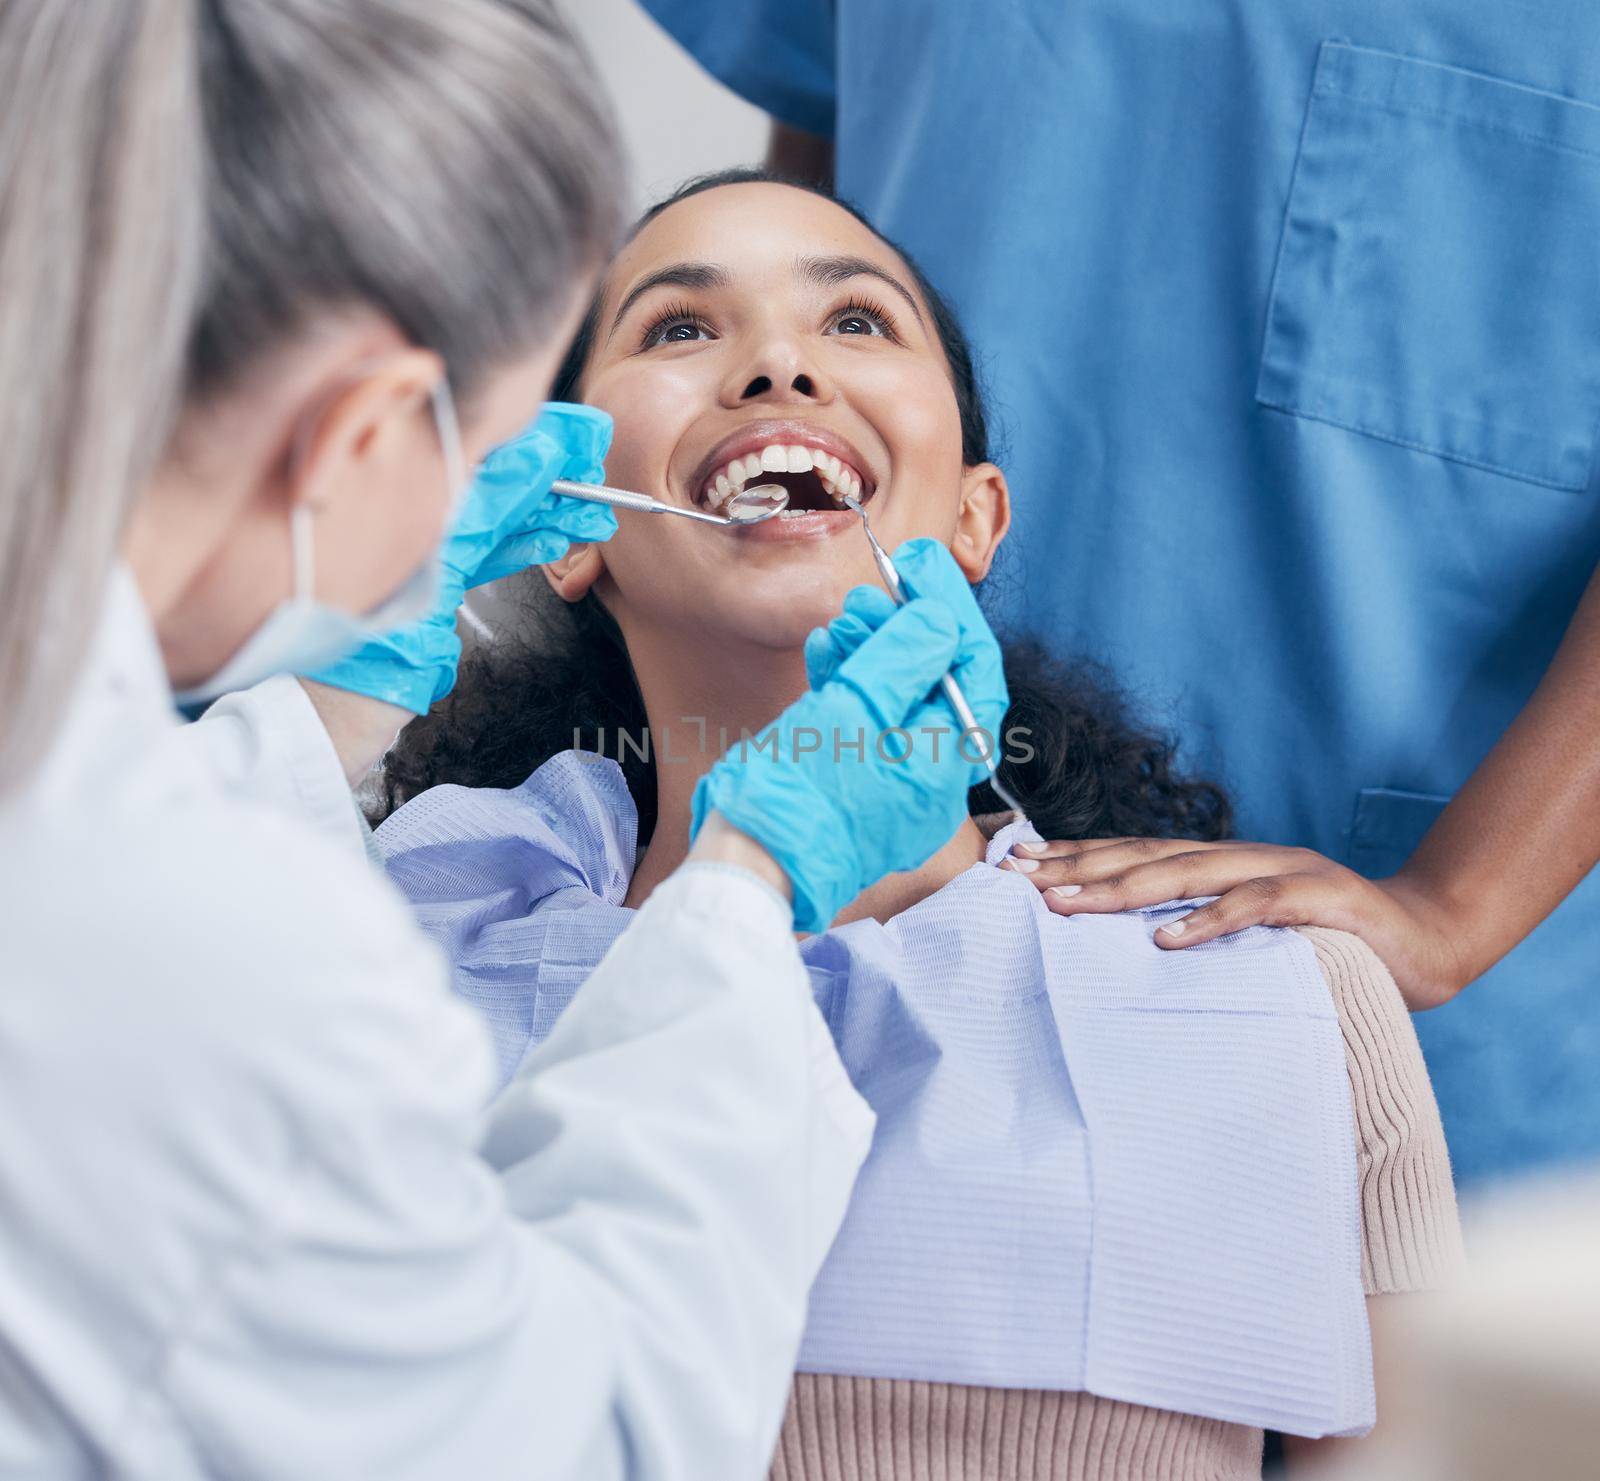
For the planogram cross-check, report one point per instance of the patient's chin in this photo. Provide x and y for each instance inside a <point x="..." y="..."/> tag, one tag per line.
<point x="790" y="631"/>
<point x="783" y="626"/>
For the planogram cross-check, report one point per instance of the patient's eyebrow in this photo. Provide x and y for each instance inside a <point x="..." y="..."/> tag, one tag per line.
<point x="676" y="275"/>
<point x="830" y="270"/>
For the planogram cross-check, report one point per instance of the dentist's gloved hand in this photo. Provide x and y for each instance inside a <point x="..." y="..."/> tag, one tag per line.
<point x="509" y="520"/>
<point x="927" y="570"/>
<point x="863" y="775"/>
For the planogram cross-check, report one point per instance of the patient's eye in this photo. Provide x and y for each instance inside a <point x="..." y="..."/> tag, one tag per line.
<point x="674" y="325"/>
<point x="677" y="332"/>
<point x="860" y="317"/>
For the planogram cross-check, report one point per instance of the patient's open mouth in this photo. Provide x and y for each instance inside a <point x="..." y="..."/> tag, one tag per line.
<point x="812" y="477"/>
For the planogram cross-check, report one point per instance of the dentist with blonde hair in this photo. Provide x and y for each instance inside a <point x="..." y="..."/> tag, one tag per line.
<point x="275" y="273"/>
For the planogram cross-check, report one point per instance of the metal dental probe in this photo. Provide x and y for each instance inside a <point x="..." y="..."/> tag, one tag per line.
<point x="952" y="690"/>
<point x="742" y="508"/>
<point x="772" y="498"/>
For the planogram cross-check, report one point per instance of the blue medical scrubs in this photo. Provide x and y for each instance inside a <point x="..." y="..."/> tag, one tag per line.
<point x="1290" y="314"/>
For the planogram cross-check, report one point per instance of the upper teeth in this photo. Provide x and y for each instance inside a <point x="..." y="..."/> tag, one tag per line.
<point x="838" y="478"/>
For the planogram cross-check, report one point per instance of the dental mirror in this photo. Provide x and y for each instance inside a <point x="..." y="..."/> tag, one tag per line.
<point x="752" y="505"/>
<point x="748" y="507"/>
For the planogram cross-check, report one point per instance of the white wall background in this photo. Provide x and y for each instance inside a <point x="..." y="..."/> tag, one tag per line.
<point x="676" y="120"/>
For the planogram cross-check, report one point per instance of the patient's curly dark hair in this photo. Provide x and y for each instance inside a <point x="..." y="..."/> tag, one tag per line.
<point x="1096" y="771"/>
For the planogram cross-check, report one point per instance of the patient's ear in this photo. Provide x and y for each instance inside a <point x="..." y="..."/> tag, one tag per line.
<point x="982" y="520"/>
<point x="572" y="576"/>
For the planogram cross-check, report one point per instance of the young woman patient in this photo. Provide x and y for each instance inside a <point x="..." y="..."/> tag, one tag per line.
<point x="1123" y="1204"/>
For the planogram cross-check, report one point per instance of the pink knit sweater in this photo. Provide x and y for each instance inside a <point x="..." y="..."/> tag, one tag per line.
<point x="869" y="1429"/>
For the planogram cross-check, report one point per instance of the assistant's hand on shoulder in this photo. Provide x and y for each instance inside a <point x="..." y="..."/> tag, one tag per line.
<point x="1257" y="884"/>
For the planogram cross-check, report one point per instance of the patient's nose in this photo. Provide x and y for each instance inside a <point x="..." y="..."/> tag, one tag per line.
<point x="781" y="373"/>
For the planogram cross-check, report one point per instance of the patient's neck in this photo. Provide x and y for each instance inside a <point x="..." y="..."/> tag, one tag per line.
<point x="696" y="711"/>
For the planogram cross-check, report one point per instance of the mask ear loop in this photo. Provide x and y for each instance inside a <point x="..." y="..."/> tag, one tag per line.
<point x="455" y="461"/>
<point x="302" y="544"/>
<point x="455" y="470"/>
<point x="302" y="537"/>
<point x="448" y="426"/>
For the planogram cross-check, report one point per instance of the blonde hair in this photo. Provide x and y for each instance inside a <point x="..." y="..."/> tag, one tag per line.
<point x="184" y="184"/>
<point x="100" y="275"/>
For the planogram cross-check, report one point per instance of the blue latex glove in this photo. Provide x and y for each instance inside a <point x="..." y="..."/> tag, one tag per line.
<point x="509" y="520"/>
<point x="837" y="819"/>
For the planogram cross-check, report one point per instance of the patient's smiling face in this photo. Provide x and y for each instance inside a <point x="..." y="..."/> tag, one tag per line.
<point x="761" y="326"/>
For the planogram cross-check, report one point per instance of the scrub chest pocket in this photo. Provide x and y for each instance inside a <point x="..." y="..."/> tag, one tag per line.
<point x="1438" y="282"/>
<point x="1387" y="827"/>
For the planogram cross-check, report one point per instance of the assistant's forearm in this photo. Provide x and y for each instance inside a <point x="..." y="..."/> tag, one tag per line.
<point x="1525" y="828"/>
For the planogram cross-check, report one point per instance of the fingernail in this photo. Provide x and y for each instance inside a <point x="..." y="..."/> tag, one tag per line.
<point x="1175" y="928"/>
<point x="1063" y="890"/>
<point x="1026" y="866"/>
<point x="1028" y="848"/>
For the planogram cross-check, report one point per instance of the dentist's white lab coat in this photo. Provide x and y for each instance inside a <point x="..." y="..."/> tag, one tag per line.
<point x="255" y="1220"/>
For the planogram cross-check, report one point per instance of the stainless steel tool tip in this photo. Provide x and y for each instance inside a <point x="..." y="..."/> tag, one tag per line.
<point x="752" y="505"/>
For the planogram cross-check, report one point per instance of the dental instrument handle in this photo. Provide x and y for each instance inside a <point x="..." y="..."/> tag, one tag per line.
<point x="952" y="690"/>
<point x="949" y="686"/>
<point x="600" y="493"/>
<point x="991" y="756"/>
